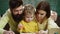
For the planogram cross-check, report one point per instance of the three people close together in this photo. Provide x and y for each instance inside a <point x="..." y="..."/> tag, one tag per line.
<point x="27" y="19"/>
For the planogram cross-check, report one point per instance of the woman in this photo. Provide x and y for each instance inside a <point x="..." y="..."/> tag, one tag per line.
<point x="42" y="17"/>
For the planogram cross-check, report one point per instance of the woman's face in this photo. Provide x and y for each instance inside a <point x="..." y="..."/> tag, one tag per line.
<point x="40" y="15"/>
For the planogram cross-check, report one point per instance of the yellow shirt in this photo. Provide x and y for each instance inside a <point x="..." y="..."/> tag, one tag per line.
<point x="30" y="27"/>
<point x="43" y="25"/>
<point x="47" y="24"/>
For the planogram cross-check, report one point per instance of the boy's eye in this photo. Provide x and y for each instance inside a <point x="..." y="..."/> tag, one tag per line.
<point x="27" y="17"/>
<point x="31" y="17"/>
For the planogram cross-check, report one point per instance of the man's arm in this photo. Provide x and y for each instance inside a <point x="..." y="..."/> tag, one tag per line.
<point x="3" y="21"/>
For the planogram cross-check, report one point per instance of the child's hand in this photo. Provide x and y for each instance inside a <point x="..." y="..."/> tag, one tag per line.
<point x="20" y="26"/>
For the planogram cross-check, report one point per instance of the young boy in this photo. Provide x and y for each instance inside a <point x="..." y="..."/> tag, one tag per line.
<point x="28" y="25"/>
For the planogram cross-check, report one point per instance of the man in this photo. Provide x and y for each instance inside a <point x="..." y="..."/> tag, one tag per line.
<point x="12" y="17"/>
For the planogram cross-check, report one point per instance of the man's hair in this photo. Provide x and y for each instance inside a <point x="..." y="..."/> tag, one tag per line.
<point x="15" y="3"/>
<point x="29" y="9"/>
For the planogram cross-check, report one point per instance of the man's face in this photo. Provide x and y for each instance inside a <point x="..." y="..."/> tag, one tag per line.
<point x="17" y="11"/>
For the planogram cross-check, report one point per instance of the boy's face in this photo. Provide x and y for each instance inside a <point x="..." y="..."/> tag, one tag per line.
<point x="28" y="18"/>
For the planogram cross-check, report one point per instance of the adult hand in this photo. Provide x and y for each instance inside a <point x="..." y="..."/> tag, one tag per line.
<point x="43" y="32"/>
<point x="8" y="32"/>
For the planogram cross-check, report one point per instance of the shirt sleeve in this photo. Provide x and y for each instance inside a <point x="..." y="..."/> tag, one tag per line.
<point x="1" y="31"/>
<point x="3" y="21"/>
<point x="52" y="24"/>
<point x="36" y="28"/>
<point x="21" y="30"/>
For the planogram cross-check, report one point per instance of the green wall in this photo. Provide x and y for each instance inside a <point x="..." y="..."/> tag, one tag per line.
<point x="58" y="7"/>
<point x="55" y="5"/>
<point x="3" y="6"/>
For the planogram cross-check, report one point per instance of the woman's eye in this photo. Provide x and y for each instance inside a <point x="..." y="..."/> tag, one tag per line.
<point x="42" y="14"/>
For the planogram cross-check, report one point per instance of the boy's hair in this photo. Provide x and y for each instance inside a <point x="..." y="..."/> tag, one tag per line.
<point x="29" y="9"/>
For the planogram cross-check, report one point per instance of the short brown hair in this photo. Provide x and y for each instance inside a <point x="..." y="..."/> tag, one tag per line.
<point x="29" y="9"/>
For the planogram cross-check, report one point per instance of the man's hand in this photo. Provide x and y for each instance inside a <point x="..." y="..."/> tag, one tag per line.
<point x="8" y="32"/>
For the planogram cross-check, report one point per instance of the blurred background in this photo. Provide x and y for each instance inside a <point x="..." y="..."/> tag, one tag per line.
<point x="55" y="4"/>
